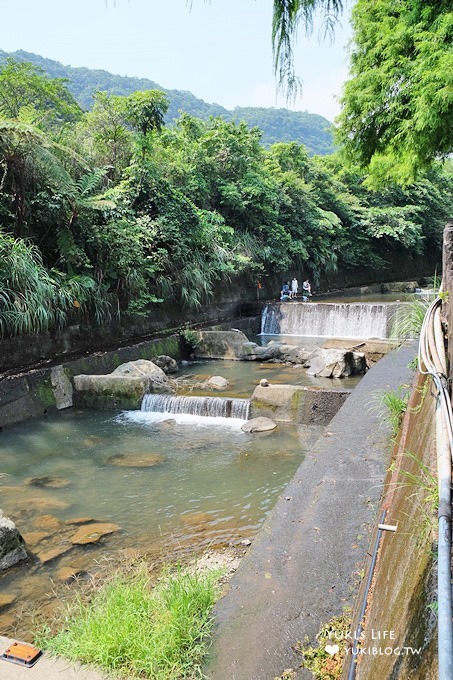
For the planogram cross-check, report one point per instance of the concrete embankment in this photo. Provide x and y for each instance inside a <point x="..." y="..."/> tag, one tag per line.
<point x="303" y="566"/>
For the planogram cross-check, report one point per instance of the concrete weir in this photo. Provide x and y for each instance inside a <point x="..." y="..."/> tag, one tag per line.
<point x="331" y="320"/>
<point x="299" y="572"/>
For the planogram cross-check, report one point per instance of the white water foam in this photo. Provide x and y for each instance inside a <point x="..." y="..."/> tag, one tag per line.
<point x="150" y="417"/>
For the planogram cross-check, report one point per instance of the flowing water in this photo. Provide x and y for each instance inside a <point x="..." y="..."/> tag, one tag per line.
<point x="172" y="483"/>
<point x="211" y="407"/>
<point x="358" y="320"/>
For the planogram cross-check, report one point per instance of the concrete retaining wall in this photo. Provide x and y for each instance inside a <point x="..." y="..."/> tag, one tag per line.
<point x="302" y="567"/>
<point x="403" y="598"/>
<point x="45" y="390"/>
<point x="294" y="403"/>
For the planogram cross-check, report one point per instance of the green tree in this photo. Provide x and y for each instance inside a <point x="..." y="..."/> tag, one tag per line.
<point x="397" y="112"/>
<point x="27" y="93"/>
<point x="104" y="136"/>
<point x="28" y="162"/>
<point x="146" y="110"/>
<point x="397" y="106"/>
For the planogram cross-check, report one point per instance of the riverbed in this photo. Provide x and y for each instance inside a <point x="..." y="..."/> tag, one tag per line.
<point x="171" y="486"/>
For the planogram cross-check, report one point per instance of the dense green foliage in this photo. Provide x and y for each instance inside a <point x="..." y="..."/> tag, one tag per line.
<point x="140" y="631"/>
<point x="277" y="125"/>
<point x="398" y="105"/>
<point x="397" y="114"/>
<point x="109" y="212"/>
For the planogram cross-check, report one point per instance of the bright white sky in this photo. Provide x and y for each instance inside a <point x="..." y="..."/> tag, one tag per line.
<point x="219" y="50"/>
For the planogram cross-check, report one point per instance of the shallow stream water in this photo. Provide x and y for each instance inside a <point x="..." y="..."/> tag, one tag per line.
<point x="173" y="485"/>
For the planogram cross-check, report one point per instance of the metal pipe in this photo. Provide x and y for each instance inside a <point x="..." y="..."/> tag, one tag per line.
<point x="444" y="594"/>
<point x="358" y="632"/>
<point x="439" y="340"/>
<point x="432" y="356"/>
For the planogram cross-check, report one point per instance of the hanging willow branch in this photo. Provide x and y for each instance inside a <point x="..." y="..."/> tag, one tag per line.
<point x="285" y="22"/>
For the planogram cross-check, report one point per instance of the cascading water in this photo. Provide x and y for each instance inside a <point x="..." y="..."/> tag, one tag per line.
<point x="340" y="320"/>
<point x="216" y="407"/>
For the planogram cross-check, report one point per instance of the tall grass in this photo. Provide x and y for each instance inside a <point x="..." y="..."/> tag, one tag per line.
<point x="407" y="322"/>
<point x="34" y="300"/>
<point x="392" y="406"/>
<point x="129" y="627"/>
<point x="416" y="475"/>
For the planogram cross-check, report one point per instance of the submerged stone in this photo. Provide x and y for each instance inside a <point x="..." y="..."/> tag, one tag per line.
<point x="216" y="382"/>
<point x="32" y="538"/>
<point x="79" y="520"/>
<point x="41" y="504"/>
<point x="6" y="599"/>
<point x="92" y="533"/>
<point x="139" y="460"/>
<point x="49" y="555"/>
<point x="47" y="522"/>
<point x="67" y="574"/>
<point x="49" y="482"/>
<point x="260" y="424"/>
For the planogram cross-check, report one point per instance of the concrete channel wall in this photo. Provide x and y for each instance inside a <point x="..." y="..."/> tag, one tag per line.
<point x="303" y="567"/>
<point x="35" y="393"/>
<point x="401" y="605"/>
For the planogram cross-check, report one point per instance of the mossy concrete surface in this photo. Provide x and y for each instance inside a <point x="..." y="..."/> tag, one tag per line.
<point x="35" y="393"/>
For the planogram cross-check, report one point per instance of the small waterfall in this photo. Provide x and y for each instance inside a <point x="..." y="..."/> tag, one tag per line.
<point x="217" y="407"/>
<point x="264" y="321"/>
<point x="333" y="320"/>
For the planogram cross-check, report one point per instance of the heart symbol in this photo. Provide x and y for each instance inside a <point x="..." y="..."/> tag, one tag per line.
<point x="332" y="649"/>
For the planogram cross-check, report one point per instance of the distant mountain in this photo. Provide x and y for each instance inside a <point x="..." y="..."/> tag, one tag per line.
<point x="277" y="125"/>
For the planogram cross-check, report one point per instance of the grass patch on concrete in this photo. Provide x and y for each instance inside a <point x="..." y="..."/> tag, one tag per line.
<point x="326" y="660"/>
<point x="133" y="628"/>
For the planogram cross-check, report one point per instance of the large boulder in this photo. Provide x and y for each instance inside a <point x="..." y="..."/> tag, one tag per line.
<point x="123" y="388"/>
<point x="251" y="351"/>
<point x="142" y="368"/>
<point x="233" y="345"/>
<point x="336" y="363"/>
<point x="294" y="354"/>
<point x="12" y="545"/>
<point x="219" y="344"/>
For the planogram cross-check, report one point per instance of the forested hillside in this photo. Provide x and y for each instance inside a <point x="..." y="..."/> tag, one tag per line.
<point x="110" y="212"/>
<point x="277" y="125"/>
